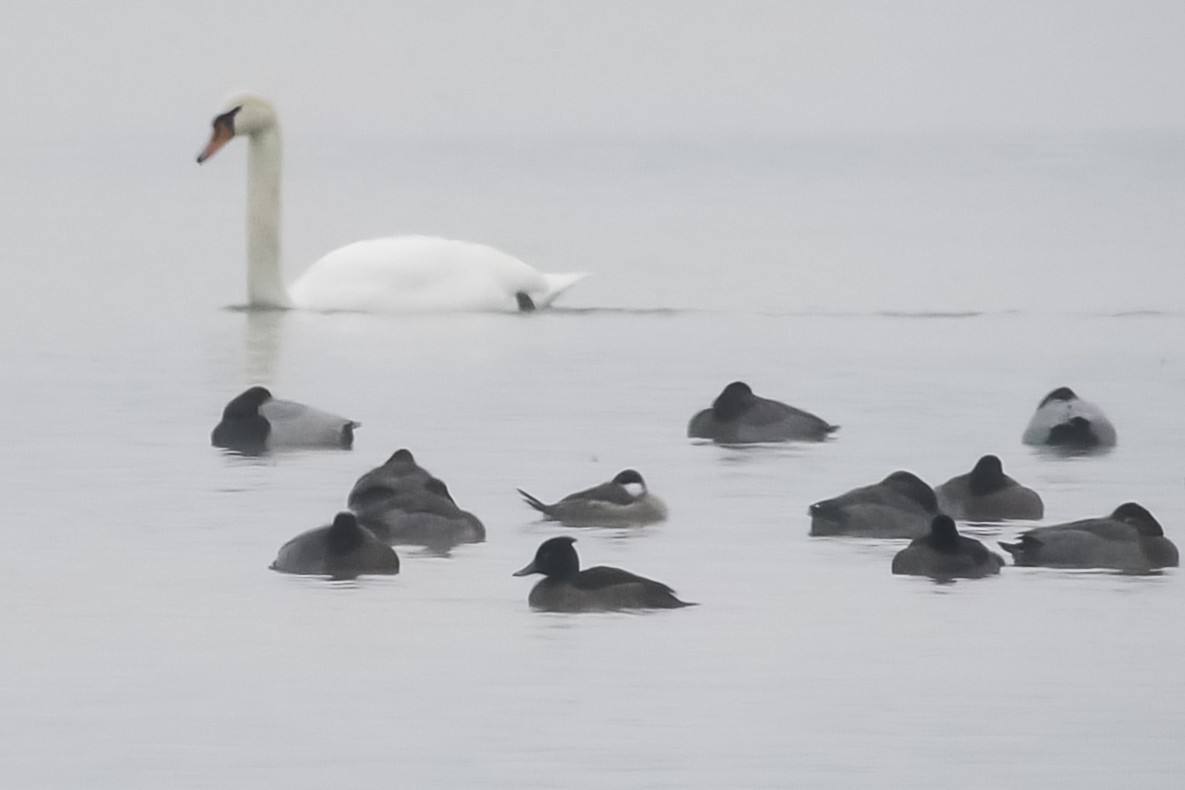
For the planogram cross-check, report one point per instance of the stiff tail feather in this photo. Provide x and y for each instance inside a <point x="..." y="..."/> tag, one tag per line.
<point x="533" y="502"/>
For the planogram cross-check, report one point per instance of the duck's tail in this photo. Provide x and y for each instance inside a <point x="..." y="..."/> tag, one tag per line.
<point x="1015" y="549"/>
<point x="533" y="502"/>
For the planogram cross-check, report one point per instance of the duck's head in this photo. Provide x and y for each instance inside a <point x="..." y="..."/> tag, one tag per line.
<point x="1061" y="393"/>
<point x="1138" y="517"/>
<point x="631" y="481"/>
<point x="434" y="485"/>
<point x="247" y="403"/>
<point x="401" y="462"/>
<point x="987" y="476"/>
<point x="736" y="398"/>
<point x="556" y="558"/>
<point x="242" y="114"/>
<point x="944" y="535"/>
<point x="910" y="485"/>
<point x="344" y="534"/>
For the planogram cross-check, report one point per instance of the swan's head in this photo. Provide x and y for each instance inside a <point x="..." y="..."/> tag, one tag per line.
<point x="242" y="114"/>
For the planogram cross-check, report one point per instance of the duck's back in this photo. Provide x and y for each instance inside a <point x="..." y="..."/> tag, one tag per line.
<point x="298" y="425"/>
<point x="602" y="588"/>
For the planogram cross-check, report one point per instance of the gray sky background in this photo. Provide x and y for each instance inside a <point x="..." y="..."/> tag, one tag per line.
<point x="595" y="67"/>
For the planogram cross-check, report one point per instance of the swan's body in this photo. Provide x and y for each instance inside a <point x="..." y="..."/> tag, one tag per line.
<point x="394" y="274"/>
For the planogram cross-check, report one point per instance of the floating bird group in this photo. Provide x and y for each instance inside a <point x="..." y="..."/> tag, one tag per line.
<point x="400" y="503"/>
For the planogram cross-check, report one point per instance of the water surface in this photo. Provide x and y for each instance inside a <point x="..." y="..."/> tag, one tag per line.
<point x="923" y="298"/>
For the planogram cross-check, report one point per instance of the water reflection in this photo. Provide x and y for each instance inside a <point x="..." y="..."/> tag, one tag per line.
<point x="262" y="343"/>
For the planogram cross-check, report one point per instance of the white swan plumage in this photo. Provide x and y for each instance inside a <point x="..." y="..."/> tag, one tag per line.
<point x="393" y="274"/>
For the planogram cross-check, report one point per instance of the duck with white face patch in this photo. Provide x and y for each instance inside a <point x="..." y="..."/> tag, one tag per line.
<point x="623" y="501"/>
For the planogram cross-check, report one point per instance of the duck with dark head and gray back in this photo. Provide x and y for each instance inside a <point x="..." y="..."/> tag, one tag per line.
<point x="621" y="502"/>
<point x="404" y="505"/>
<point x="342" y="550"/>
<point x="1130" y="539"/>
<point x="945" y="554"/>
<point x="255" y="422"/>
<point x="566" y="588"/>
<point x="377" y="484"/>
<point x="1066" y="422"/>
<point x="738" y="416"/>
<point x="987" y="494"/>
<point x="900" y="506"/>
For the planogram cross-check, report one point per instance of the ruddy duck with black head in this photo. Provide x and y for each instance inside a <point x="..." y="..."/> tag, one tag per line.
<point x="623" y="501"/>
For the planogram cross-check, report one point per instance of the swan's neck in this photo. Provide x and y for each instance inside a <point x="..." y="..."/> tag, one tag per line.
<point x="265" y="283"/>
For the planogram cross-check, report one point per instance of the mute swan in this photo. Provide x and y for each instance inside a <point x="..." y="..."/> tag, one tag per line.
<point x="566" y="588"/>
<point x="1063" y="419"/>
<point x="738" y="416"/>
<point x="254" y="421"/>
<point x="393" y="274"/>
<point x="342" y="550"/>
<point x="987" y="494"/>
<point x="945" y="554"/>
<point x="900" y="506"/>
<point x="1129" y="539"/>
<point x="622" y="501"/>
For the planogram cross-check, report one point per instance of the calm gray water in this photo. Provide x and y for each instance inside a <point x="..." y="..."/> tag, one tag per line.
<point x="924" y="295"/>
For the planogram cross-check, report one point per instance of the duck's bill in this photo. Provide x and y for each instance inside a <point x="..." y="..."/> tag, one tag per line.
<point x="527" y="571"/>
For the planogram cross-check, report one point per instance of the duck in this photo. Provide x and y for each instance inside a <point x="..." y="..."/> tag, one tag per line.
<point x="403" y="504"/>
<point x="1065" y="421"/>
<point x="738" y="416"/>
<point x="566" y="588"/>
<point x="422" y="514"/>
<point x="376" y="485"/>
<point x="987" y="494"/>
<point x="622" y="501"/>
<point x="254" y="422"/>
<point x="397" y="274"/>
<point x="945" y="554"/>
<point x="342" y="549"/>
<point x="900" y="506"/>
<point x="1130" y="539"/>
